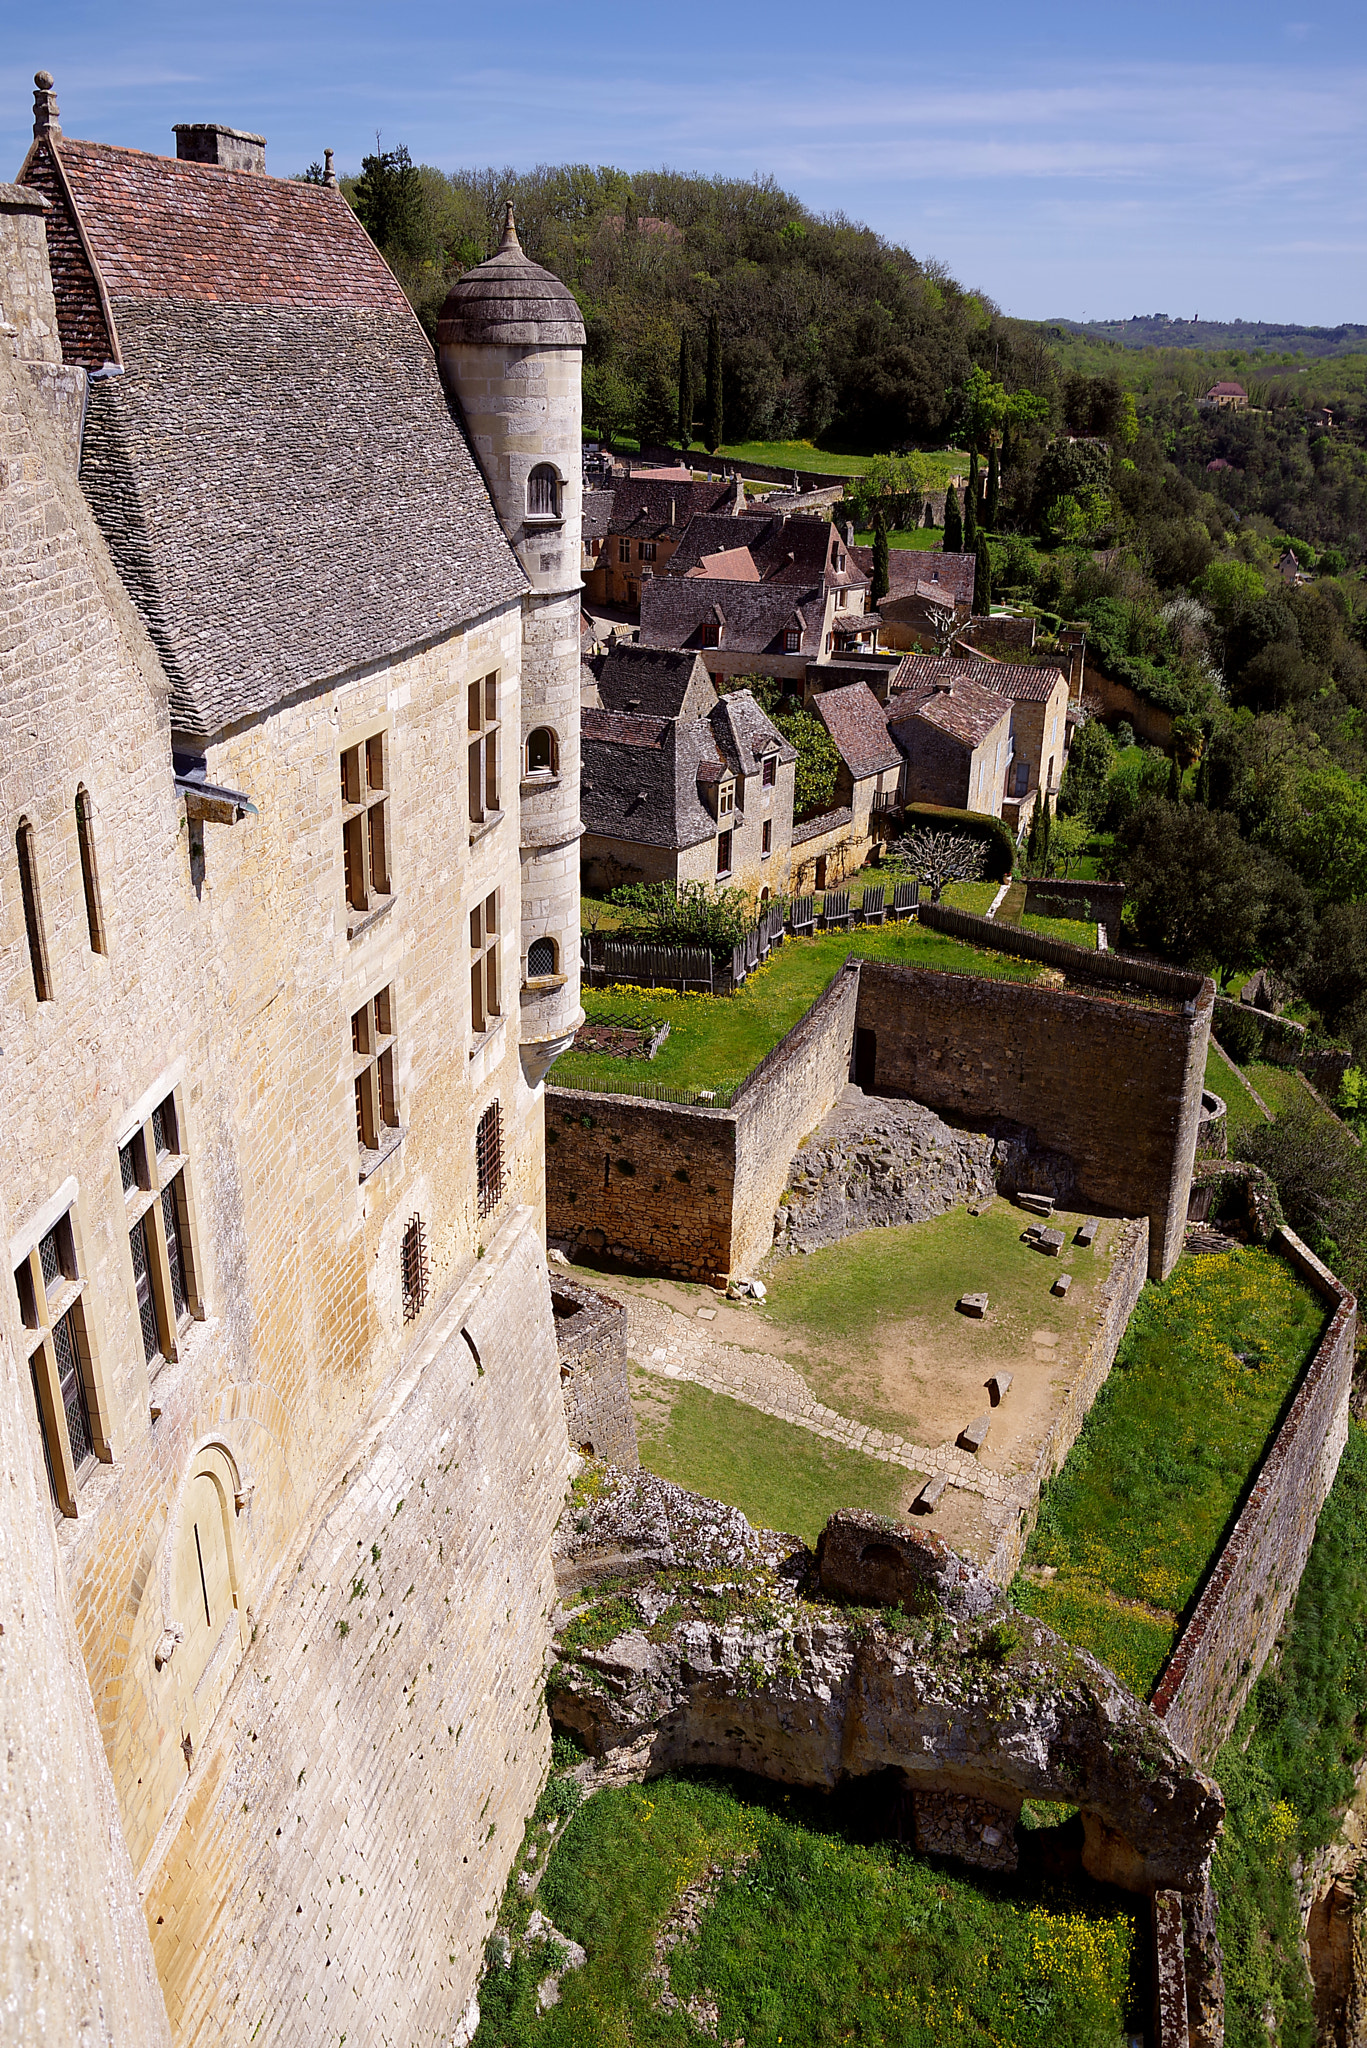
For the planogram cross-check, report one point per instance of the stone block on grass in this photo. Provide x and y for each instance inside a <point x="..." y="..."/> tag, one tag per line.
<point x="975" y="1435"/>
<point x="1062" y="1284"/>
<point x="1087" y="1229"/>
<point x="974" y="1305"/>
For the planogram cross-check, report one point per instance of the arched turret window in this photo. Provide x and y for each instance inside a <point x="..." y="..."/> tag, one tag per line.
<point x="541" y="958"/>
<point x="543" y="752"/>
<point x="543" y="493"/>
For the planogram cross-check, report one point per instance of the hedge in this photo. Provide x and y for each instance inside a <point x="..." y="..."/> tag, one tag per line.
<point x="1001" y="847"/>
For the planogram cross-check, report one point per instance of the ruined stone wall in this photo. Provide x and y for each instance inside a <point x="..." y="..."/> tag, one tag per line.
<point x="591" y="1337"/>
<point x="1114" y="1084"/>
<point x="1229" y="1636"/>
<point x="783" y="1101"/>
<point x="651" y="1184"/>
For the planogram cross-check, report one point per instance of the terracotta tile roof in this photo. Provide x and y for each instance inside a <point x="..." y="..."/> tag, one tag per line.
<point x="1024" y="682"/>
<point x="733" y="565"/>
<point x="278" y="473"/>
<point x="858" y="724"/>
<point x="962" y="708"/>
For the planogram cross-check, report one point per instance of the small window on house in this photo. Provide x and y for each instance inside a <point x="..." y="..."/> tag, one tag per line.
<point x="489" y="1159"/>
<point x="711" y="633"/>
<point x="726" y="799"/>
<point x="645" y="551"/>
<point x="543" y="752"/>
<point x="543" y="493"/>
<point x="365" y="826"/>
<point x="769" y="773"/>
<point x="152" y="1165"/>
<point x="33" y="911"/>
<point x="624" y="550"/>
<point x="90" y="880"/>
<point x="767" y="839"/>
<point x="540" y="958"/>
<point x="484" y="996"/>
<point x="482" y="722"/>
<point x="50" y="1286"/>
<point x="413" y="1261"/>
<point x="723" y="853"/>
<point x="374" y="1081"/>
<point x="792" y="640"/>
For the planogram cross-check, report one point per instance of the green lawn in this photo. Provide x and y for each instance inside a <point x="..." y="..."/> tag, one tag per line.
<point x="972" y="896"/>
<point x="939" y="465"/>
<point x="779" y="1476"/>
<point x="907" y="537"/>
<point x="807" y="1935"/>
<point x="1072" y="931"/>
<point x="1242" y="1111"/>
<point x="1281" y="1088"/>
<point x="1165" y="1456"/>
<point x="715" y="1041"/>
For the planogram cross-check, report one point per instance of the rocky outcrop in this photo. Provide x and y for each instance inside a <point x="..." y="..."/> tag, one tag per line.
<point x="877" y="1160"/>
<point x="731" y="1657"/>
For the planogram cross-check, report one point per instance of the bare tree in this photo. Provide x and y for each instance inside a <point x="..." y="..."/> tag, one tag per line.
<point x="938" y="858"/>
<point x="945" y="630"/>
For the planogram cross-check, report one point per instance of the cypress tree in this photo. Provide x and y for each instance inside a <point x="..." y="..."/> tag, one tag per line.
<point x="953" y="543"/>
<point x="928" y="516"/>
<point x="1032" y="842"/>
<point x="971" y="509"/>
<point x="1046" y="827"/>
<point x="994" y="477"/>
<point x="880" y="564"/>
<point x="1174" y="783"/>
<point x="982" y="579"/>
<point x="712" y="421"/>
<point x="685" y="392"/>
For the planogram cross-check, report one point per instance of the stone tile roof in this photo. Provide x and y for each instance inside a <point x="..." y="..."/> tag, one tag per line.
<point x="961" y="708"/>
<point x="645" y="510"/>
<point x="784" y="549"/>
<point x="824" y="821"/>
<point x="510" y="302"/>
<point x="858" y="724"/>
<point x="744" y="734"/>
<point x="1025" y="682"/>
<point x="638" y="778"/>
<point x="908" y="567"/>
<point x="278" y="473"/>
<point x="659" y="682"/>
<point x="753" y="616"/>
<point x="596" y="514"/>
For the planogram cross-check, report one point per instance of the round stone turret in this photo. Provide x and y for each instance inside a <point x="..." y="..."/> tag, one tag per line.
<point x="509" y="347"/>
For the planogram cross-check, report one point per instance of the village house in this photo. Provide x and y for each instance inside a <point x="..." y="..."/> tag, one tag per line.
<point x="1224" y="397"/>
<point x="687" y="799"/>
<point x="289" y="939"/>
<point x="744" y="628"/>
<point x="926" y="589"/>
<point x="869" y="775"/>
<point x="955" y="740"/>
<point x="635" y="537"/>
<point x="1038" y="694"/>
<point x="661" y="682"/>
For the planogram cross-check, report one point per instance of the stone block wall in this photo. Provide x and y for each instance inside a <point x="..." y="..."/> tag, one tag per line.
<point x="1236" y="1620"/>
<point x="1114" y="1084"/>
<point x="591" y="1338"/>
<point x="648" y="1183"/>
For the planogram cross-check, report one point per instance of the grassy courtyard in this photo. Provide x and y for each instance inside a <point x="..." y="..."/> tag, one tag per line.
<point x="715" y="1041"/>
<point x="1128" y="1529"/>
<point x="939" y="465"/>
<point x="1241" y="1111"/>
<point x="745" y="1912"/>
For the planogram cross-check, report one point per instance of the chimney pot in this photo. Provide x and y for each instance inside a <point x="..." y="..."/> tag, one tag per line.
<point x="212" y="142"/>
<point x="45" y="108"/>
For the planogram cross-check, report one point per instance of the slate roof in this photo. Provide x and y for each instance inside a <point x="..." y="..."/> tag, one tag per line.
<point x="638" y="778"/>
<point x="659" y="682"/>
<point x="965" y="711"/>
<point x="784" y="549"/>
<point x="1024" y="682"/>
<point x="858" y="724"/>
<point x="744" y="734"/>
<point x="509" y="301"/>
<point x="597" y="514"/>
<point x="910" y="567"/>
<point x="753" y="616"/>
<point x="645" y="510"/>
<point x="278" y="473"/>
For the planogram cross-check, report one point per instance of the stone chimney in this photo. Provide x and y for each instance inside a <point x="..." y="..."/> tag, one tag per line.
<point x="210" y="142"/>
<point x="28" y="310"/>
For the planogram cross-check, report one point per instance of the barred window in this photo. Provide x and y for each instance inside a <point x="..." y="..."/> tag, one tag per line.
<point x="377" y="1101"/>
<point x="484" y="995"/>
<point x="414" y="1264"/>
<point x="540" y="958"/>
<point x="50" y="1286"/>
<point x="152" y="1167"/>
<point x="365" y="826"/>
<point x="543" y="493"/>
<point x="489" y="1159"/>
<point x="483" y="722"/>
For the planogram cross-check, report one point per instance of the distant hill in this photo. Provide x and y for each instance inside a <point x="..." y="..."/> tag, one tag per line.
<point x="1158" y="330"/>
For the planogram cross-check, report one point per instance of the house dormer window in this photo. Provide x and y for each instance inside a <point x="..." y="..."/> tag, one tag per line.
<point x="769" y="772"/>
<point x="543" y="493"/>
<point x="792" y="641"/>
<point x="711" y="633"/>
<point x="726" y="799"/>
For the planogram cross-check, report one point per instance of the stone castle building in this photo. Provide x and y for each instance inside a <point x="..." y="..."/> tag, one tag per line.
<point x="288" y="939"/>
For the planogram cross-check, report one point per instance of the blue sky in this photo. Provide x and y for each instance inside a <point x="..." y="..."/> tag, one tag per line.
<point x="1086" y="160"/>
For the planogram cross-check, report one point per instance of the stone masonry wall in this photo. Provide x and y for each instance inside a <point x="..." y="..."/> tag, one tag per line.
<point x="591" y="1336"/>
<point x="1236" y="1620"/>
<point x="364" y="1790"/>
<point x="648" y="1183"/>
<point x="1114" y="1084"/>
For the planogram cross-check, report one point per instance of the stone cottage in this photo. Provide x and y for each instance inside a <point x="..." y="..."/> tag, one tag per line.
<point x="955" y="740"/>
<point x="1038" y="693"/>
<point x="925" y="588"/>
<point x="288" y="938"/>
<point x="869" y="775"/>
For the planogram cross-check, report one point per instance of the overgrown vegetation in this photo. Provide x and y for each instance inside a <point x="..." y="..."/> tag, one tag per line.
<point x="1163" y="1459"/>
<point x="807" y="1935"/>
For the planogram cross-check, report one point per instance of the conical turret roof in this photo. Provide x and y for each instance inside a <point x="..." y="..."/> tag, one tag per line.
<point x="510" y="299"/>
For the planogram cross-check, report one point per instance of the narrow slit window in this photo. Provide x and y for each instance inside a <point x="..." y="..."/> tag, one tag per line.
<point x="414" y="1268"/>
<point x="90" y="879"/>
<point x="33" y="913"/>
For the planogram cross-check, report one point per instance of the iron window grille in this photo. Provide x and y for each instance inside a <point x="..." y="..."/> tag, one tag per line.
<point x="152" y="1169"/>
<point x="377" y="1101"/>
<point x="483" y="723"/>
<point x="543" y="493"/>
<point x="50" y="1287"/>
<point x="365" y="827"/>
<point x="540" y="958"/>
<point x="489" y="1159"/>
<point x="413" y="1260"/>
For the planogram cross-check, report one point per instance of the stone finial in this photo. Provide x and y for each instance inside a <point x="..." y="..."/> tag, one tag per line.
<point x="45" y="108"/>
<point x="329" y="175"/>
<point x="510" y="240"/>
